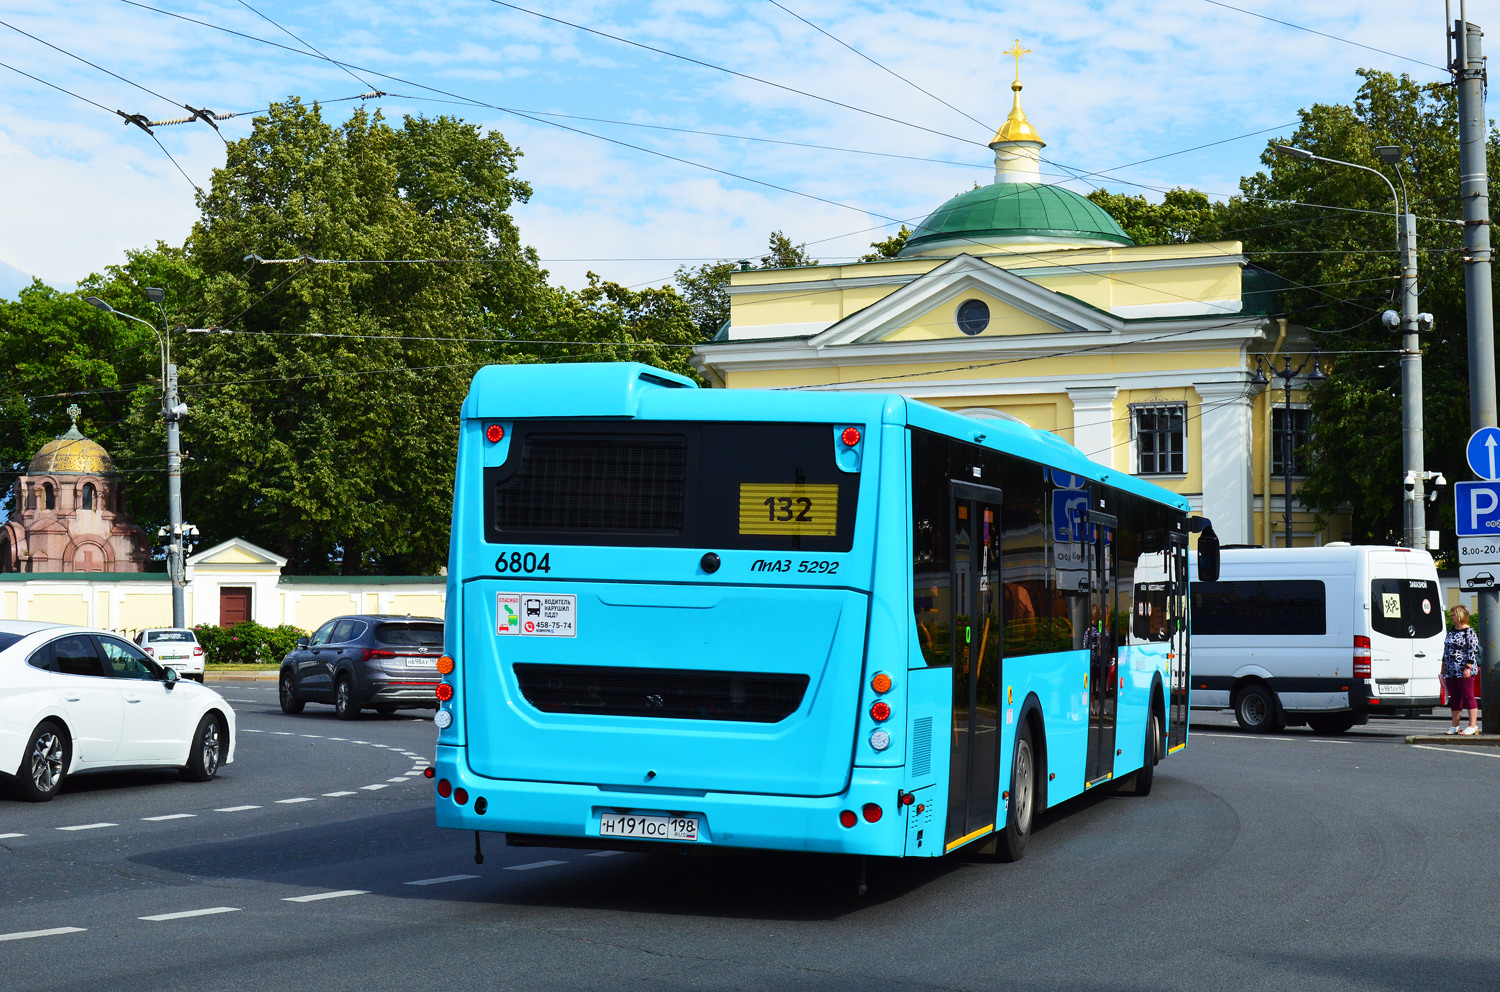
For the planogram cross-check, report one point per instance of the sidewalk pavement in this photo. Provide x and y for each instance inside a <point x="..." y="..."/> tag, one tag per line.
<point x="1483" y="740"/>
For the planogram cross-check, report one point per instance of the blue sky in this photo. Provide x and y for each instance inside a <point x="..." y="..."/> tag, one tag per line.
<point x="1107" y="83"/>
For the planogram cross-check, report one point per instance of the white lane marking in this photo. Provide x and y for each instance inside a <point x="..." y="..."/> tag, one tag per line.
<point x="169" y="816"/>
<point x="228" y="700"/>
<point x="235" y="809"/>
<point x="415" y="773"/>
<point x="89" y="826"/>
<point x="335" y="795"/>
<point x="1425" y="747"/>
<point x="534" y="864"/>
<point x="344" y="739"/>
<point x="372" y="788"/>
<point x="1261" y="737"/>
<point x="10" y="836"/>
<point x="319" y="896"/>
<point x="283" y="733"/>
<point x="605" y="854"/>
<point x="314" y="736"/>
<point x="247" y="730"/>
<point x="299" y="799"/>
<point x="214" y="911"/>
<point x="24" y="934"/>
<point x="401" y="778"/>
<point x="442" y="880"/>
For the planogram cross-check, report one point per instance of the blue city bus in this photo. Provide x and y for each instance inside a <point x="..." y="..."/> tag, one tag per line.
<point x="794" y="620"/>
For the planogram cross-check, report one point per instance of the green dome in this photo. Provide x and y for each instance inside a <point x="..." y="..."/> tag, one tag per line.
<point x="1012" y="210"/>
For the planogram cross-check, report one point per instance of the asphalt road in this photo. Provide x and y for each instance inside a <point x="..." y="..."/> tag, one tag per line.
<point x="1291" y="862"/>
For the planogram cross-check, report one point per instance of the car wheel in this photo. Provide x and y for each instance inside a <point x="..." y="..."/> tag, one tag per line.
<point x="1255" y="709"/>
<point x="290" y="704"/>
<point x="1010" y="844"/>
<point x="44" y="763"/>
<point x="1140" y="783"/>
<point x="210" y="743"/>
<point x="343" y="699"/>
<point x="1333" y="723"/>
<point x="386" y="709"/>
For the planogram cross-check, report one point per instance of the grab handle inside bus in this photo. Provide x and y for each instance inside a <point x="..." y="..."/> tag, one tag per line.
<point x="1208" y="549"/>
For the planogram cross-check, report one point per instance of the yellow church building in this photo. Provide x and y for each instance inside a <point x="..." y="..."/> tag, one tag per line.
<point x="1021" y="299"/>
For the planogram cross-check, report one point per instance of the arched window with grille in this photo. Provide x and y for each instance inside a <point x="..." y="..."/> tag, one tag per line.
<point x="90" y="497"/>
<point x="49" y="496"/>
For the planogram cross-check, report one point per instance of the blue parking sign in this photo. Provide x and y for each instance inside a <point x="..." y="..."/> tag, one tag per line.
<point x="1477" y="508"/>
<point x="1068" y="509"/>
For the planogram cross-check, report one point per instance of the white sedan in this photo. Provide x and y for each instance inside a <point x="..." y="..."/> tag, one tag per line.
<point x="173" y="647"/>
<point x="76" y="700"/>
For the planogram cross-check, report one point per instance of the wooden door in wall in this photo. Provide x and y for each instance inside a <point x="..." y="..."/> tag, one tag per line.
<point x="234" y="605"/>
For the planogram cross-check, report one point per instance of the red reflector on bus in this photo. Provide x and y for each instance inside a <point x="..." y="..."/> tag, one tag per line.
<point x="445" y="788"/>
<point x="428" y="773"/>
<point x="871" y="811"/>
<point x="847" y="818"/>
<point x="444" y="691"/>
<point x="850" y="436"/>
<point x="495" y="433"/>
<point x="460" y="796"/>
<point x="880" y="711"/>
<point x="907" y="799"/>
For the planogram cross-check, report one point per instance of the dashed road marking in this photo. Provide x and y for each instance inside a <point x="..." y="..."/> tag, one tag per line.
<point x="247" y="730"/>
<point x="412" y="774"/>
<point x="299" y="799"/>
<point x="320" y="896"/>
<point x="316" y="737"/>
<point x="25" y="934"/>
<point x="372" y="788"/>
<point x="1446" y="747"/>
<point x="283" y="733"/>
<point x="401" y="778"/>
<point x="213" y="911"/>
<point x="534" y="864"/>
<point x="359" y="742"/>
<point x="335" y="795"/>
<point x="344" y="739"/>
<point x="89" y="826"/>
<point x="10" y="836"/>
<point x="169" y="816"/>
<point x="235" y="809"/>
<point x="442" y="880"/>
<point x="605" y="854"/>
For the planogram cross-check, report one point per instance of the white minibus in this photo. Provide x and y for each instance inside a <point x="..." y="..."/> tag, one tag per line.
<point x="1317" y="636"/>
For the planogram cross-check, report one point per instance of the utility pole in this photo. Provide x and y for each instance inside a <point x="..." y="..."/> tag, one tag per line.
<point x="1474" y="192"/>
<point x="176" y="558"/>
<point x="1412" y="456"/>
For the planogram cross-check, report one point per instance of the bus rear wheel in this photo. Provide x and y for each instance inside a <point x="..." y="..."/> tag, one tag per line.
<point x="1140" y="783"/>
<point x="1010" y="843"/>
<point x="1255" y="709"/>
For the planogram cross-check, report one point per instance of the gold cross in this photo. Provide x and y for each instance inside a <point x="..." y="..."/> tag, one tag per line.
<point x="1018" y="51"/>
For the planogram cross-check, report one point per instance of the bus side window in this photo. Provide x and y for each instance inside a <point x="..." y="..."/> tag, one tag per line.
<point x="930" y="565"/>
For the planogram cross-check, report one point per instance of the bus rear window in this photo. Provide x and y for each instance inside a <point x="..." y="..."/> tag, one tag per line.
<point x="1407" y="608"/>
<point x="754" y="486"/>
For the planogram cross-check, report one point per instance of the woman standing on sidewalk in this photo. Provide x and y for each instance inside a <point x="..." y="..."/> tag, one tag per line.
<point x="1460" y="664"/>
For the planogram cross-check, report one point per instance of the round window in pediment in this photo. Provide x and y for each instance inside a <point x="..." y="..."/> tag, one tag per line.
<point x="973" y="316"/>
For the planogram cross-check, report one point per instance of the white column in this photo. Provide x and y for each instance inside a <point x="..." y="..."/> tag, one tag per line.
<point x="1224" y="446"/>
<point x="1094" y="422"/>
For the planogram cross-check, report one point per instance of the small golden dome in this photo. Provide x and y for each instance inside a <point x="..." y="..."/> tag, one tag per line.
<point x="1016" y="126"/>
<point x="71" y="454"/>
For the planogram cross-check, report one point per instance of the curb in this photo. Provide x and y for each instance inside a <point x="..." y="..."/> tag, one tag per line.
<point x="255" y="676"/>
<point x="1456" y="740"/>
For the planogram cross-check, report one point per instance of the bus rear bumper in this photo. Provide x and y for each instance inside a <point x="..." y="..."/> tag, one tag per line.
<point x="571" y="813"/>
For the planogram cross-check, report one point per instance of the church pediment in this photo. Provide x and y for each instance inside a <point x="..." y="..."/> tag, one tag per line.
<point x="932" y="307"/>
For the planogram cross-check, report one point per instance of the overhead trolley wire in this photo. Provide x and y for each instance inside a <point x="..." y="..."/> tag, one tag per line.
<point x="1325" y="34"/>
<point x="310" y="45"/>
<point x="882" y="68"/>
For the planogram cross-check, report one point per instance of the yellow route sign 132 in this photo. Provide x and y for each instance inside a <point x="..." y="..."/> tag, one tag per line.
<point x="790" y="508"/>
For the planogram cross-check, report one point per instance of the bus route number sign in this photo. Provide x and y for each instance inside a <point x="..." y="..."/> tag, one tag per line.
<point x="791" y="509"/>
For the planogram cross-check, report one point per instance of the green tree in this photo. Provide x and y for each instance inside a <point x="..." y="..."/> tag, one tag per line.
<point x="783" y="254"/>
<point x="889" y="248"/>
<point x="706" y="287"/>
<point x="1182" y="215"/>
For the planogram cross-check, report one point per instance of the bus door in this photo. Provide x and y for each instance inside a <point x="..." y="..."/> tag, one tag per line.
<point x="975" y="626"/>
<point x="1177" y="653"/>
<point x="1102" y="639"/>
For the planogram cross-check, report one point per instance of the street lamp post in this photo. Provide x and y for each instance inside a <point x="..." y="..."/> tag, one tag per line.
<point x="173" y="410"/>
<point x="1286" y="374"/>
<point x="1409" y="322"/>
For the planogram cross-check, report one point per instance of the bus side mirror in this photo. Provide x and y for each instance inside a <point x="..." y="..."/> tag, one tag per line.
<point x="1208" y="550"/>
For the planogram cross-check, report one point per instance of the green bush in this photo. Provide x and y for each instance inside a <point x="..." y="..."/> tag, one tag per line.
<point x="247" y="643"/>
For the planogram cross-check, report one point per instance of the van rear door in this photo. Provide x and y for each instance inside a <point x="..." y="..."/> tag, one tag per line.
<point x="1405" y="613"/>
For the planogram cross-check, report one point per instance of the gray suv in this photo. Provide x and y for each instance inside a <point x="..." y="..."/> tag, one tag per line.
<point x="365" y="661"/>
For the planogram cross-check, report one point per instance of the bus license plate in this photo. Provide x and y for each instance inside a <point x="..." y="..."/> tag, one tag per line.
<point x="649" y="827"/>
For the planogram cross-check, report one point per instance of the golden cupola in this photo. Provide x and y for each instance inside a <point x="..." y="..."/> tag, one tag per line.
<point x="71" y="454"/>
<point x="1017" y="144"/>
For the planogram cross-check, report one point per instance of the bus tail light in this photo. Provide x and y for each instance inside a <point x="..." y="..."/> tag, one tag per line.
<point x="847" y="818"/>
<point x="881" y="683"/>
<point x="850" y="437"/>
<point x="495" y="433"/>
<point x="444" y="691"/>
<point x="460" y="796"/>
<point x="880" y="711"/>
<point x="872" y="812"/>
<point x="445" y="788"/>
<point x="1361" y="656"/>
<point x="428" y="772"/>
